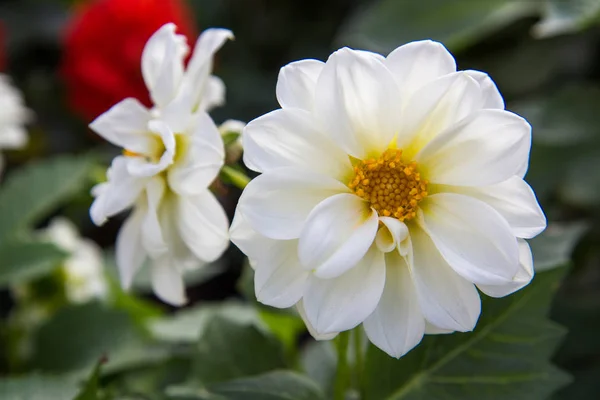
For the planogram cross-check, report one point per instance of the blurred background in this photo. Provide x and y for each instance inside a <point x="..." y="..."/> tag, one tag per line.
<point x="73" y="59"/>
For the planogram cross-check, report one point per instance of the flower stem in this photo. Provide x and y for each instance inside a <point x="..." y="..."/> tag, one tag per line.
<point x="342" y="379"/>
<point x="237" y="178"/>
<point x="358" y="357"/>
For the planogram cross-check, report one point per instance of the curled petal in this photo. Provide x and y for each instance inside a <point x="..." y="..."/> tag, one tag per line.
<point x="162" y="63"/>
<point x="116" y="195"/>
<point x="337" y="234"/>
<point x="277" y="203"/>
<point x="141" y="166"/>
<point x="391" y="234"/>
<point x="197" y="75"/>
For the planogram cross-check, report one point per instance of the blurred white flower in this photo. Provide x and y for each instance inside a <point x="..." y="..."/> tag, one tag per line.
<point x="172" y="153"/>
<point x="391" y="188"/>
<point x="83" y="268"/>
<point x="13" y="115"/>
<point x="234" y="149"/>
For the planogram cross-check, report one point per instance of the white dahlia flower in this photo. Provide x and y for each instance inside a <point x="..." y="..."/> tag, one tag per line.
<point x="391" y="189"/>
<point x="171" y="154"/>
<point x="13" y="116"/>
<point x="83" y="267"/>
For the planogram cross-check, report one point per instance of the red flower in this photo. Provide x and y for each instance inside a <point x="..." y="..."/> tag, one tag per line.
<point x="103" y="50"/>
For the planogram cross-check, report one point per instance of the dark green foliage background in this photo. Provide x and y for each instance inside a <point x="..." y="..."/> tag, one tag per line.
<point x="547" y="72"/>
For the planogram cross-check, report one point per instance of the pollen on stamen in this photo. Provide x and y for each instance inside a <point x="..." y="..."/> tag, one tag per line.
<point x="392" y="187"/>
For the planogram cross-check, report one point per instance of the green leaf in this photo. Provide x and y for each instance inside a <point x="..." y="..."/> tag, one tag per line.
<point x="188" y="325"/>
<point x="319" y="361"/>
<point x="554" y="246"/>
<point x="92" y="385"/>
<point x="23" y="261"/>
<point x="386" y="24"/>
<point x="38" y="387"/>
<point x="285" y="325"/>
<point x="277" y="385"/>
<point x="78" y="336"/>
<point x="32" y="192"/>
<point x="568" y="116"/>
<point x="566" y="16"/>
<point x="230" y="349"/>
<point x="506" y="357"/>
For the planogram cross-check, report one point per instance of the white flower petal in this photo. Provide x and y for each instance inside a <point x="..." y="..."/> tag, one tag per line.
<point x="434" y="330"/>
<point x="201" y="161"/>
<point x="296" y="84"/>
<point x="397" y="324"/>
<point x="196" y="78"/>
<point x="434" y="107"/>
<point x="337" y="234"/>
<point x="116" y="195"/>
<point x="280" y="279"/>
<point x="447" y="300"/>
<point x="491" y="96"/>
<point x="417" y="63"/>
<point x="13" y="115"/>
<point x="251" y="243"/>
<point x="203" y="225"/>
<point x="357" y="102"/>
<point x="487" y="148"/>
<point x="126" y="125"/>
<point x="167" y="282"/>
<point x="289" y="137"/>
<point x="129" y="251"/>
<point x="278" y="202"/>
<point x="152" y="235"/>
<point x="521" y="279"/>
<point x="473" y="237"/>
<point x="162" y="63"/>
<point x="179" y="255"/>
<point x="311" y="329"/>
<point x="391" y="234"/>
<point x="140" y="166"/>
<point x="339" y="304"/>
<point x="12" y="136"/>
<point x="214" y="93"/>
<point x="515" y="201"/>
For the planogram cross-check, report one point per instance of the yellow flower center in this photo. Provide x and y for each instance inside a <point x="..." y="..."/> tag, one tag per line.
<point x="158" y="148"/>
<point x="391" y="186"/>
